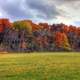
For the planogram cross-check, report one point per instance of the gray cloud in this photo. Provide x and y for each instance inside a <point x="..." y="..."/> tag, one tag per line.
<point x="29" y="9"/>
<point x="49" y="10"/>
<point x="14" y="10"/>
<point x="40" y="9"/>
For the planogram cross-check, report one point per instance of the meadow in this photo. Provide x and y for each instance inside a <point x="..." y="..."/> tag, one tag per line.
<point x="40" y="66"/>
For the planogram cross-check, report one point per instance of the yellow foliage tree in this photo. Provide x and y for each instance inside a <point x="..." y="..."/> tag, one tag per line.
<point x="65" y="43"/>
<point x="23" y="25"/>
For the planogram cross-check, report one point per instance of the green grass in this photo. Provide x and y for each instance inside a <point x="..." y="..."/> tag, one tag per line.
<point x="40" y="66"/>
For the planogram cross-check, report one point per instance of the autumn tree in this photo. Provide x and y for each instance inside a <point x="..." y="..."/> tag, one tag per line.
<point x="23" y="25"/>
<point x="61" y="41"/>
<point x="25" y="29"/>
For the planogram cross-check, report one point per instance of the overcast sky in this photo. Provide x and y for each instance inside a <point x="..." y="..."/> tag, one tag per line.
<point x="52" y="11"/>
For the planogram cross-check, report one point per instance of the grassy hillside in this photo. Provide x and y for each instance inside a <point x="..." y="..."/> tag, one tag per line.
<point x="35" y="66"/>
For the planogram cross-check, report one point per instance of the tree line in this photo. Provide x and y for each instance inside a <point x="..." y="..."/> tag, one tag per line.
<point x="26" y="36"/>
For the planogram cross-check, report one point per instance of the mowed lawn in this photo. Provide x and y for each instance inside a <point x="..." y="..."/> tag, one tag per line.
<point x="40" y="66"/>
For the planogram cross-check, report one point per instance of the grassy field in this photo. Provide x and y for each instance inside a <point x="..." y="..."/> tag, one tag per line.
<point x="38" y="66"/>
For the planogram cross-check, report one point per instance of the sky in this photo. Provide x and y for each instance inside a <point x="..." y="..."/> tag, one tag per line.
<point x="51" y="11"/>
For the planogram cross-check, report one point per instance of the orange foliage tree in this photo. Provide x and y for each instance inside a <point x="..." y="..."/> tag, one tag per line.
<point x="61" y="40"/>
